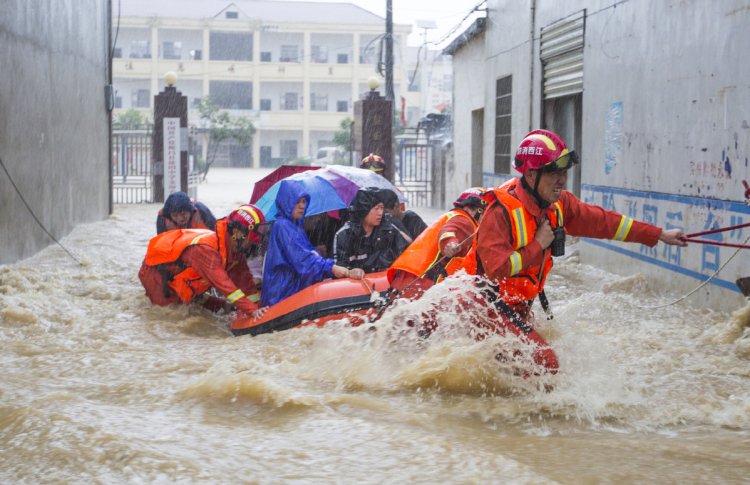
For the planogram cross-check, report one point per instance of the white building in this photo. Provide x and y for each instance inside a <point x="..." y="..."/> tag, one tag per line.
<point x="294" y="68"/>
<point x="652" y="95"/>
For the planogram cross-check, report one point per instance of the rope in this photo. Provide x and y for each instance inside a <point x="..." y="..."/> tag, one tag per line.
<point x="701" y="285"/>
<point x="34" y="215"/>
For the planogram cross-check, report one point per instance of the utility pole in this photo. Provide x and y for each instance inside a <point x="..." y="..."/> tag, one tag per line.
<point x="389" y="94"/>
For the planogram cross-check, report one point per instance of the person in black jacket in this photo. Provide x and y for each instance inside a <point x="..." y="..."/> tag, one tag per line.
<point x="406" y="220"/>
<point x="368" y="241"/>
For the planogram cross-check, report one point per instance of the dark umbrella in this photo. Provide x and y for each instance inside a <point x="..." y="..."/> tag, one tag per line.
<point x="262" y="185"/>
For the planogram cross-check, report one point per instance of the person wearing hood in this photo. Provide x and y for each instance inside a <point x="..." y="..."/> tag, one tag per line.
<point x="368" y="240"/>
<point x="181" y="212"/>
<point x="292" y="263"/>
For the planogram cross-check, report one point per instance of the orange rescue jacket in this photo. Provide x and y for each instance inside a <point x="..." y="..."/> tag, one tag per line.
<point x="168" y="247"/>
<point x="424" y="252"/>
<point x="523" y="284"/>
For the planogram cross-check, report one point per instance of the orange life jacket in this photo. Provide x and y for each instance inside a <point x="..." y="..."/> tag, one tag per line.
<point x="425" y="250"/>
<point x="168" y="247"/>
<point x="522" y="284"/>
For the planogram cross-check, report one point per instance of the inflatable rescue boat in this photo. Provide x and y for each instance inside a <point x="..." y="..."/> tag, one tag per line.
<point x="317" y="304"/>
<point x="356" y="300"/>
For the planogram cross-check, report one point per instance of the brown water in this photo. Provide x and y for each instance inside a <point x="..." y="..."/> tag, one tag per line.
<point x="99" y="386"/>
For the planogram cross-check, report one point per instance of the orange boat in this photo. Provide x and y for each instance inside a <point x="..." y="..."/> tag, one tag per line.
<point x="318" y="304"/>
<point x="356" y="300"/>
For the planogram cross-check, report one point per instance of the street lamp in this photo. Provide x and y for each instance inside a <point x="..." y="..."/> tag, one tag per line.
<point x="170" y="78"/>
<point x="373" y="83"/>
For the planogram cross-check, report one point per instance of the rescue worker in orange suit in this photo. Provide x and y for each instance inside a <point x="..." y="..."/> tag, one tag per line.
<point x="439" y="250"/>
<point x="525" y="224"/>
<point x="181" y="212"/>
<point x="183" y="264"/>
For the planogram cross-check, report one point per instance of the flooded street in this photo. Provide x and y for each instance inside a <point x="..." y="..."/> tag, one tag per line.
<point x="98" y="386"/>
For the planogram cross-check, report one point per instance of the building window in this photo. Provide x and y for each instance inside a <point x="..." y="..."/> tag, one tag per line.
<point x="318" y="102"/>
<point x="288" y="149"/>
<point x="265" y="56"/>
<point x="118" y="101"/>
<point x="289" y="102"/>
<point x="503" y="104"/>
<point x="141" y="98"/>
<point x="232" y="94"/>
<point x="171" y="50"/>
<point x="265" y="105"/>
<point x="232" y="15"/>
<point x="140" y="49"/>
<point x="342" y="59"/>
<point x="319" y="54"/>
<point x="231" y="46"/>
<point x="196" y="54"/>
<point x="289" y="53"/>
<point x="117" y="52"/>
<point x="342" y="106"/>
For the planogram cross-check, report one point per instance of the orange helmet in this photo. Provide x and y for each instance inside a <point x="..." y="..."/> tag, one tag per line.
<point x="473" y="197"/>
<point x="545" y="150"/>
<point x="247" y="218"/>
<point x="373" y="162"/>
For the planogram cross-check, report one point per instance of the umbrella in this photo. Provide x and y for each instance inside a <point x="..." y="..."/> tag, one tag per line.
<point x="262" y="185"/>
<point x="323" y="195"/>
<point x="364" y="178"/>
<point x="330" y="188"/>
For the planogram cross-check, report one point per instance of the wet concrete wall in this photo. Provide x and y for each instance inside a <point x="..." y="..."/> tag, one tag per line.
<point x="665" y="129"/>
<point x="54" y="131"/>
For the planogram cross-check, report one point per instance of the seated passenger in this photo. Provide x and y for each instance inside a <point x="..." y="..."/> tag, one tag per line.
<point x="292" y="263"/>
<point x="438" y="252"/>
<point x="368" y="241"/>
<point x="320" y="230"/>
<point x="406" y="220"/>
<point x="181" y="212"/>
<point x="183" y="264"/>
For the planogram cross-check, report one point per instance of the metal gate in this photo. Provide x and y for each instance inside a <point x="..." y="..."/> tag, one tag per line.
<point x="415" y="173"/>
<point x="131" y="167"/>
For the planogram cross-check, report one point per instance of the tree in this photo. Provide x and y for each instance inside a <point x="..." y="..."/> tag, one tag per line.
<point x="221" y="127"/>
<point x="343" y="137"/>
<point x="131" y="119"/>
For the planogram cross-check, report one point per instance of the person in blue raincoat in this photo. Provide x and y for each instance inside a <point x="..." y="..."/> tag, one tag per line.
<point x="292" y="263"/>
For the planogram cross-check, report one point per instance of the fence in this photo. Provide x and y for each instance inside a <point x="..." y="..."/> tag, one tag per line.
<point x="420" y="173"/>
<point x="131" y="168"/>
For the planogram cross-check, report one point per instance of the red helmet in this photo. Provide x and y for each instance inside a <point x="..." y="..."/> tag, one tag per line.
<point x="543" y="149"/>
<point x="472" y="197"/>
<point x="250" y="218"/>
<point x="373" y="162"/>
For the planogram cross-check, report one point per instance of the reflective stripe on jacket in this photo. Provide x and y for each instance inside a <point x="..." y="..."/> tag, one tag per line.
<point x="523" y="284"/>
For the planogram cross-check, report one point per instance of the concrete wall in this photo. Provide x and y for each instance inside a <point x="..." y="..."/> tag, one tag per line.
<point x="54" y="131"/>
<point x="468" y="95"/>
<point x="674" y="77"/>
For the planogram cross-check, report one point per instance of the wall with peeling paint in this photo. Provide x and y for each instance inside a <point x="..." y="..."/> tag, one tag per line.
<point x="665" y="130"/>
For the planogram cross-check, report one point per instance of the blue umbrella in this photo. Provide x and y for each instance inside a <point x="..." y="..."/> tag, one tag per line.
<point x="323" y="195"/>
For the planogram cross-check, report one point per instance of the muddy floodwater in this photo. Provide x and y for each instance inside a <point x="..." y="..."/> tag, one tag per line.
<point x="98" y="386"/>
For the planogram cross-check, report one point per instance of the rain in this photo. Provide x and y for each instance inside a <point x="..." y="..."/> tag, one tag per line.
<point x="101" y="386"/>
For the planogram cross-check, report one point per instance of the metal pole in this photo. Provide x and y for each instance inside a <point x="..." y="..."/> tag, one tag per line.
<point x="389" y="95"/>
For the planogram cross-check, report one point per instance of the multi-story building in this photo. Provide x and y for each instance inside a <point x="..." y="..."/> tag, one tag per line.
<point x="293" y="68"/>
